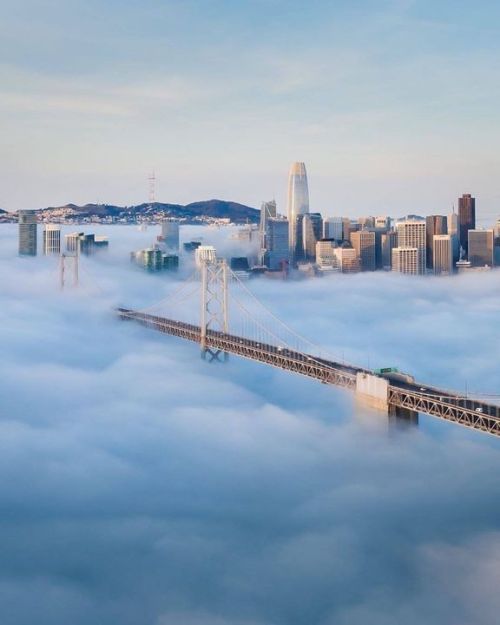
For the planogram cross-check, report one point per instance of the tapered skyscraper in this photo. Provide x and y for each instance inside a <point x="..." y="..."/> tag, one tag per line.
<point x="298" y="204"/>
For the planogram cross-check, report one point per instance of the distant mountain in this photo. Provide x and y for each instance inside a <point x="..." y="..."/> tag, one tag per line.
<point x="215" y="209"/>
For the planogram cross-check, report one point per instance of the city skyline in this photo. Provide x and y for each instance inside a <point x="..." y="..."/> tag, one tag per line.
<point x="249" y="312"/>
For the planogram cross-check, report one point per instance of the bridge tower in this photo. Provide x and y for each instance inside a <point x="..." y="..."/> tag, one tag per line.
<point x="214" y="304"/>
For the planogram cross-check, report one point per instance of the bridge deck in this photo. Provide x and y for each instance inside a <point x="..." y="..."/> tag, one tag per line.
<point x="413" y="396"/>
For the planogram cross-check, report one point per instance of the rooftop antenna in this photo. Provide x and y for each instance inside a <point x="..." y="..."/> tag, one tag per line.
<point x="152" y="188"/>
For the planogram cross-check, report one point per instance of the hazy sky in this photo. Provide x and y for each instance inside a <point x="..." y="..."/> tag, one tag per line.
<point x="392" y="104"/>
<point x="141" y="485"/>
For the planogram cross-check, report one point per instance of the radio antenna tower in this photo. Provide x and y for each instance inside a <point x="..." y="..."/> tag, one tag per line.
<point x="152" y="188"/>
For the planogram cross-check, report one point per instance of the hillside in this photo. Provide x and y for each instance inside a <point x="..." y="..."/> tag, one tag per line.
<point x="214" y="209"/>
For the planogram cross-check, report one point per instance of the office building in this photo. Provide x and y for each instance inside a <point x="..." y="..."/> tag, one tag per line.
<point x="298" y="204"/>
<point x="466" y="219"/>
<point x="363" y="242"/>
<point x="205" y="253"/>
<point x="389" y="240"/>
<point x="325" y="255"/>
<point x="346" y="228"/>
<point x="452" y="224"/>
<point x="383" y="222"/>
<point x="277" y="251"/>
<point x="348" y="260"/>
<point x="170" y="235"/>
<point x="27" y="232"/>
<point x="153" y="259"/>
<point x="51" y="239"/>
<point x="378" y="232"/>
<point x="435" y="224"/>
<point x="442" y="254"/>
<point x="366" y="222"/>
<point x="267" y="211"/>
<point x="333" y="228"/>
<point x="84" y="243"/>
<point x="312" y="228"/>
<point x="412" y="234"/>
<point x="496" y="229"/>
<point x="406" y="260"/>
<point x="481" y="248"/>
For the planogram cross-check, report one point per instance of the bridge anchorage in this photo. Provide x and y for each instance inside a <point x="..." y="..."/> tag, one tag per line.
<point x="257" y="334"/>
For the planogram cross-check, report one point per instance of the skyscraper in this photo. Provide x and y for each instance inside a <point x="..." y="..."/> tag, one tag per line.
<point x="27" y="232"/>
<point x="277" y="254"/>
<point x="298" y="204"/>
<point x="382" y="221"/>
<point x="51" y="239"/>
<point x="267" y="211"/>
<point x="406" y="260"/>
<point x="312" y="227"/>
<point x="435" y="224"/>
<point x="348" y="260"/>
<point x="466" y="218"/>
<point x="333" y="228"/>
<point x="442" y="254"/>
<point x="411" y="234"/>
<point x="481" y="248"/>
<point x="170" y="234"/>
<point x="453" y="232"/>
<point x="389" y="240"/>
<point x="325" y="255"/>
<point x="452" y="223"/>
<point x="363" y="242"/>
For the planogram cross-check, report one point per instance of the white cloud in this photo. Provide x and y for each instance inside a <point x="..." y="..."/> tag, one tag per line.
<point x="140" y="484"/>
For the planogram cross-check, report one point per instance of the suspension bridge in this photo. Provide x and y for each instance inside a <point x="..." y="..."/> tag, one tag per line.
<point x="257" y="334"/>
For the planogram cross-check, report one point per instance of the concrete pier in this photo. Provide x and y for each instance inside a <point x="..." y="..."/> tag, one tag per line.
<point x="373" y="391"/>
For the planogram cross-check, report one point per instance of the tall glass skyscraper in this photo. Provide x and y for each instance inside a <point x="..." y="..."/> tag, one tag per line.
<point x="466" y="218"/>
<point x="27" y="232"/>
<point x="298" y="203"/>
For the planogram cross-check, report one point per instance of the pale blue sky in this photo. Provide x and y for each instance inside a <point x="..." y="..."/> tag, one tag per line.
<point x="393" y="105"/>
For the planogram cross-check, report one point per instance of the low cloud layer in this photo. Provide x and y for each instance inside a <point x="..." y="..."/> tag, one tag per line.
<point x="141" y="485"/>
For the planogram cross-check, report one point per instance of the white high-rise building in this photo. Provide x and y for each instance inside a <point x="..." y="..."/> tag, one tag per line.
<point x="412" y="234"/>
<point x="333" y="228"/>
<point x="205" y="253"/>
<point x="298" y="204"/>
<point x="406" y="260"/>
<point x="325" y="255"/>
<point x="51" y="239"/>
<point x="170" y="235"/>
<point x="442" y="254"/>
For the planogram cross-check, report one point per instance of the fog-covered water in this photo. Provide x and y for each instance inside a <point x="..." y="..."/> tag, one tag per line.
<point x="141" y="485"/>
